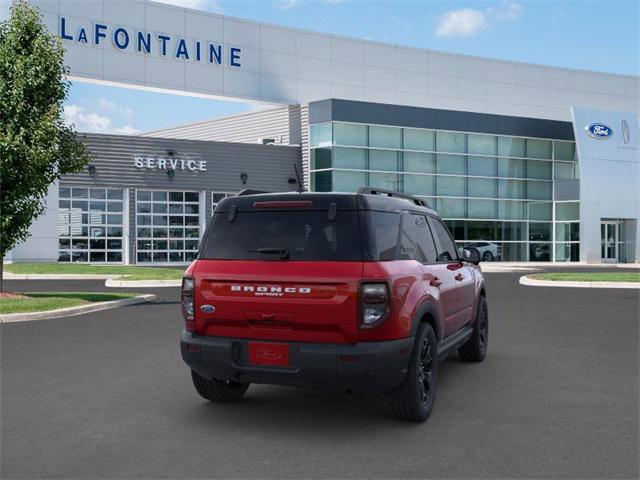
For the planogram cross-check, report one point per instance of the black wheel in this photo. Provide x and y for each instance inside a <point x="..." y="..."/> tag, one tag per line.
<point x="488" y="257"/>
<point x="413" y="399"/>
<point x="475" y="348"/>
<point x="218" y="390"/>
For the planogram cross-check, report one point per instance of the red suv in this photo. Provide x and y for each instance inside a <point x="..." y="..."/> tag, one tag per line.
<point x="362" y="291"/>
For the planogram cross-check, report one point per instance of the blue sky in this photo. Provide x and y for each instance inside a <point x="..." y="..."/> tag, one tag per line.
<point x="600" y="35"/>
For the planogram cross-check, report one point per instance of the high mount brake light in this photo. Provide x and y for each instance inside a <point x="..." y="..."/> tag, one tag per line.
<point x="284" y="204"/>
<point x="188" y="307"/>
<point x="375" y="304"/>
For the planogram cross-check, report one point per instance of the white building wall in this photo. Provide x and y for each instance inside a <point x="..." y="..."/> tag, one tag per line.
<point x="42" y="244"/>
<point x="609" y="179"/>
<point x="292" y="66"/>
<point x="5" y="5"/>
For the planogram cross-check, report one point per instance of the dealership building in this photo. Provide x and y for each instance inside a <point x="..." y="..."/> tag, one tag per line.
<point x="529" y="162"/>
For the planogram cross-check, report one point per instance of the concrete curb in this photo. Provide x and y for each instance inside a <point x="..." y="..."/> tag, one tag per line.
<point x="60" y="276"/>
<point x="113" y="281"/>
<point x="490" y="268"/>
<point x="532" y="282"/>
<point x="71" y="311"/>
<point x="117" y="283"/>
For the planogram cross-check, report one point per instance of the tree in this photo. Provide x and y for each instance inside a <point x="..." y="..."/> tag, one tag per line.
<point x="36" y="147"/>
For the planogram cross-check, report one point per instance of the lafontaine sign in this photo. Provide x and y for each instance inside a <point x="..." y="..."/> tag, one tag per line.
<point x="160" y="44"/>
<point x="172" y="163"/>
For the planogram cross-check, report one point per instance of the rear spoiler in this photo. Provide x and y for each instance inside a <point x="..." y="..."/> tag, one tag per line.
<point x="249" y="191"/>
<point x="390" y="193"/>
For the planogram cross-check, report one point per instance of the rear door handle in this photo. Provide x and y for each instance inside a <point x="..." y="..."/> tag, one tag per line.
<point x="459" y="277"/>
<point x="435" y="282"/>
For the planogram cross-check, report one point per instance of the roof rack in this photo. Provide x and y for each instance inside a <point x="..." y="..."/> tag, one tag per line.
<point x="249" y="191"/>
<point x="390" y="193"/>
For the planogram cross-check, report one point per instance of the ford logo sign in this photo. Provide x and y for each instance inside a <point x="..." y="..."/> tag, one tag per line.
<point x="207" y="308"/>
<point x="599" y="131"/>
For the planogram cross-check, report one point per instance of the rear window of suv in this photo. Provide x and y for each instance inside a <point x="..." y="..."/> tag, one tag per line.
<point x="277" y="235"/>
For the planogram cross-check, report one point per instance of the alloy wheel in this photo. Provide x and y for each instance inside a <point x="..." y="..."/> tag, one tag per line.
<point x="483" y="328"/>
<point x="425" y="370"/>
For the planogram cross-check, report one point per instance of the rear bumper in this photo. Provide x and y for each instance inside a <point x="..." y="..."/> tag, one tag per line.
<point x="371" y="366"/>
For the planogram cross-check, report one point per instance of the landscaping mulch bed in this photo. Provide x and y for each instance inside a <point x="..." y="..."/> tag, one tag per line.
<point x="12" y="295"/>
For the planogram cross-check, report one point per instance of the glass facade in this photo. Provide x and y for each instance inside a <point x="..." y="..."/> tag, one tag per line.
<point x="90" y="225"/>
<point x="567" y="232"/>
<point x="167" y="226"/>
<point x="490" y="189"/>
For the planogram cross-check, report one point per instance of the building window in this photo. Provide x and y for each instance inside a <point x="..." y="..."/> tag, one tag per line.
<point x="216" y="198"/>
<point x="467" y="177"/>
<point x="167" y="226"/>
<point x="90" y="225"/>
<point x="321" y="134"/>
<point x="567" y="211"/>
<point x="416" y="139"/>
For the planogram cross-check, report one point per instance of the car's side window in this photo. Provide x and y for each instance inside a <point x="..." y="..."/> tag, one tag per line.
<point x="414" y="239"/>
<point x="425" y="237"/>
<point x="447" y="251"/>
<point x="407" y="248"/>
<point x="384" y="228"/>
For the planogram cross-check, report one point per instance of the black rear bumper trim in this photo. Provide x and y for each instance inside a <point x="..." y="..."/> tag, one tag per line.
<point x="379" y="367"/>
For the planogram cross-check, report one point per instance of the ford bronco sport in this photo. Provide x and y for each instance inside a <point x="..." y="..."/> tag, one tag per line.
<point x="361" y="291"/>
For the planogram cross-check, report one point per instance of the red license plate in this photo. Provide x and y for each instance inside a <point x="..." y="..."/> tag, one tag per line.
<point x="270" y="354"/>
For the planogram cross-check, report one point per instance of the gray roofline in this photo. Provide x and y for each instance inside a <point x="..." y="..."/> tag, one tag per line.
<point x="355" y="111"/>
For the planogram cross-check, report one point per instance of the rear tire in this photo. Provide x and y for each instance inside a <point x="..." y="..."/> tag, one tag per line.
<point x="475" y="348"/>
<point x="218" y="390"/>
<point x="413" y="400"/>
<point x="488" y="257"/>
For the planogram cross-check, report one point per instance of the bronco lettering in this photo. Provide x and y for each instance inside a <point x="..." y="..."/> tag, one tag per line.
<point x="269" y="289"/>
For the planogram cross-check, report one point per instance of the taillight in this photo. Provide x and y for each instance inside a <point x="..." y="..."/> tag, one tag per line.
<point x="375" y="304"/>
<point x="188" y="304"/>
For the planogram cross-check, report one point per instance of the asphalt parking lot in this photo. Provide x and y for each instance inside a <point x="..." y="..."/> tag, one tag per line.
<point x="106" y="395"/>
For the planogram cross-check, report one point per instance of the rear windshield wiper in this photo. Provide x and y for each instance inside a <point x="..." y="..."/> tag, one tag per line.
<point x="283" y="253"/>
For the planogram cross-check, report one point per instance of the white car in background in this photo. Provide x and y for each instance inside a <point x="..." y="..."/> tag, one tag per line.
<point x="489" y="252"/>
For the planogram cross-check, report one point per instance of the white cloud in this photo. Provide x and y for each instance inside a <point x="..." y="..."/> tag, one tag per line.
<point x="467" y="22"/>
<point x="286" y="4"/>
<point x="507" y="11"/>
<point x="207" y="5"/>
<point x="104" y="117"/>
<point x="113" y="107"/>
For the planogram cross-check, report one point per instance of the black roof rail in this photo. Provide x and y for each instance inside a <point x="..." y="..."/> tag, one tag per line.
<point x="390" y="193"/>
<point x="249" y="191"/>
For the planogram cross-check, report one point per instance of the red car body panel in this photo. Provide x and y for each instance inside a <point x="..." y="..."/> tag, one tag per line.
<point x="267" y="300"/>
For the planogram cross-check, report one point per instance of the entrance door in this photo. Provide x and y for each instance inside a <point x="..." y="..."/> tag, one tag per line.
<point x="609" y="241"/>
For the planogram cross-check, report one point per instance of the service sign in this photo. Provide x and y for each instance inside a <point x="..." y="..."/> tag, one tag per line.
<point x="171" y="163"/>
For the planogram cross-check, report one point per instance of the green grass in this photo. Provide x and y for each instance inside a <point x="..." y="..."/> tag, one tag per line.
<point x="129" y="272"/>
<point x="43" y="301"/>
<point x="589" y="276"/>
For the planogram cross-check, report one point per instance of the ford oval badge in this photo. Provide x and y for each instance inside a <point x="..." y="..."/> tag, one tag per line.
<point x="599" y="131"/>
<point x="207" y="308"/>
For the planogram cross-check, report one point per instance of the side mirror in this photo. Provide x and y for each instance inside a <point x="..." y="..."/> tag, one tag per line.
<point x="471" y="255"/>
